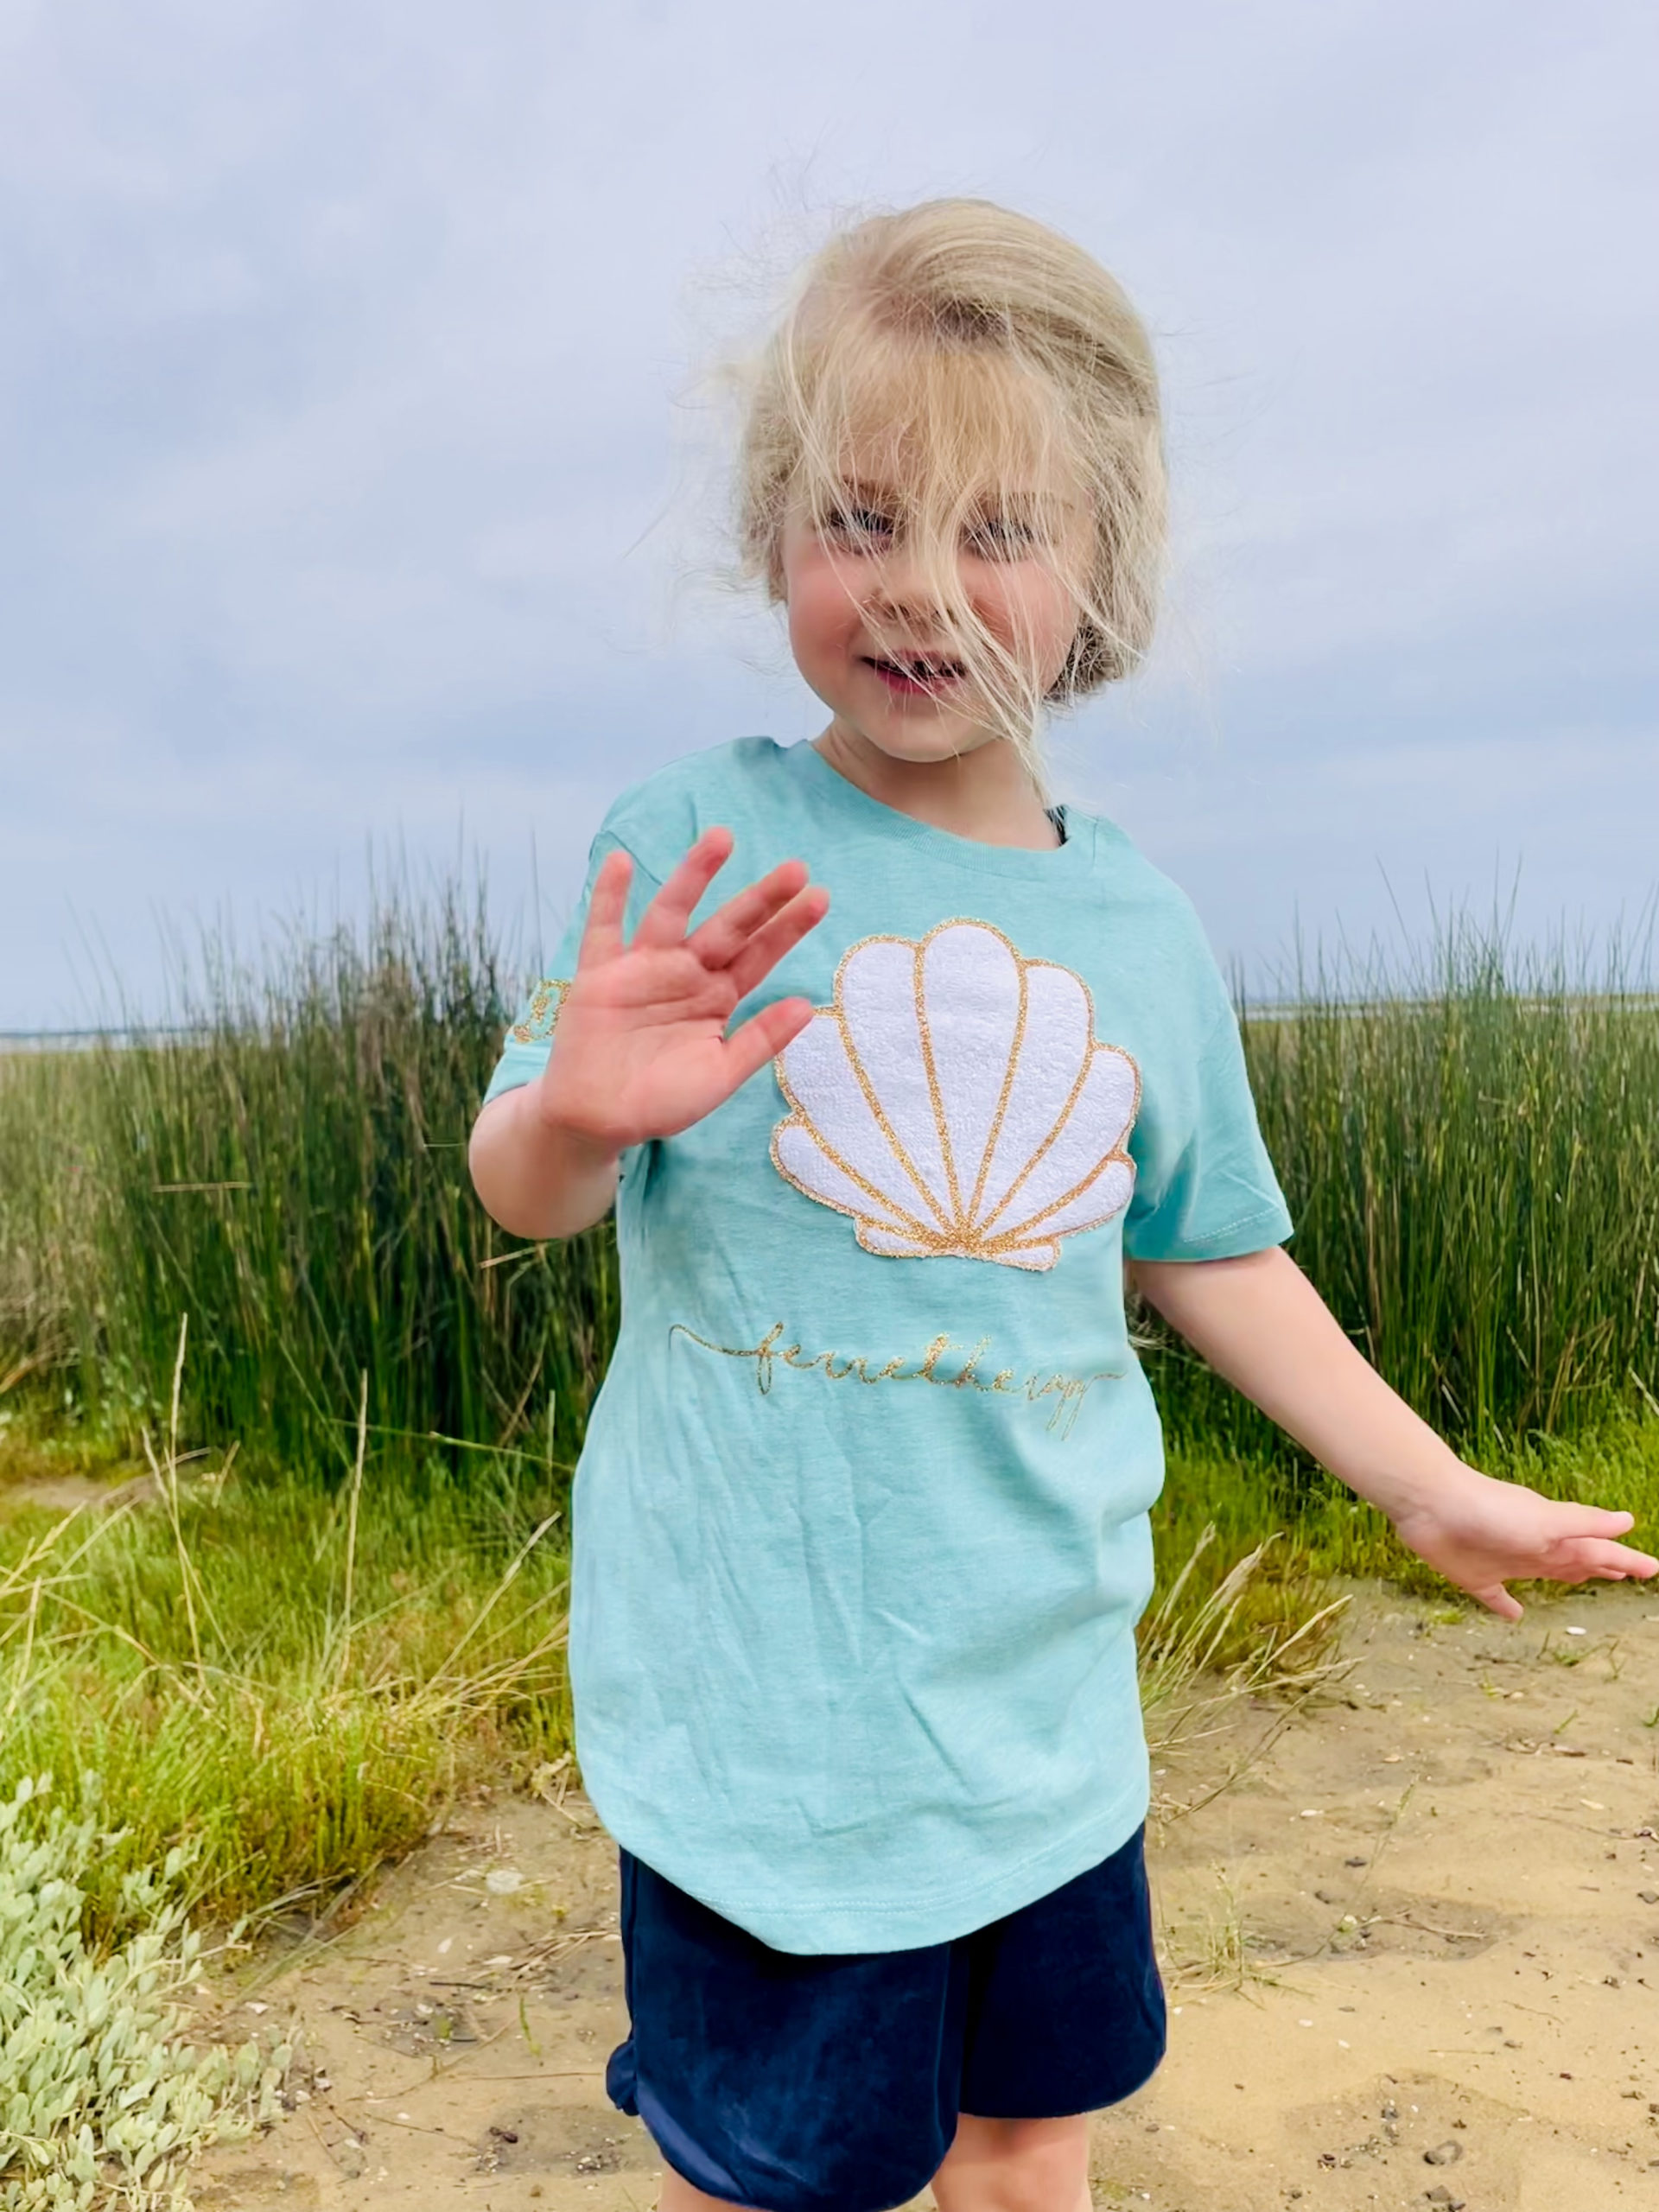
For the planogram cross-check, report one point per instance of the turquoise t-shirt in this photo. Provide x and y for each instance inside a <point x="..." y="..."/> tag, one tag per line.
<point x="860" y="1527"/>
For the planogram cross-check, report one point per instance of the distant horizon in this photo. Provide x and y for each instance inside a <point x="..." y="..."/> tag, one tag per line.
<point x="1607" y="963"/>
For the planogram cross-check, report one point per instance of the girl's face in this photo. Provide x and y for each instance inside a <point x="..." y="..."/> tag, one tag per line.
<point x="871" y="639"/>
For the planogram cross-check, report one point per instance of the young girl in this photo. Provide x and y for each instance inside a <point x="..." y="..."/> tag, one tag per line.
<point x="860" y="1527"/>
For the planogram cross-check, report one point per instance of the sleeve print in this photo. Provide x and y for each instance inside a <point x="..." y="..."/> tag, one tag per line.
<point x="525" y="1048"/>
<point x="541" y="1015"/>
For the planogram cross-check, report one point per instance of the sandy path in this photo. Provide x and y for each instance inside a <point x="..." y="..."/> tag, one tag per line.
<point x="1436" y="1898"/>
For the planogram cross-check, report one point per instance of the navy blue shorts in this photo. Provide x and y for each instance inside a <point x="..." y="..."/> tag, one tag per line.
<point x="833" y="2083"/>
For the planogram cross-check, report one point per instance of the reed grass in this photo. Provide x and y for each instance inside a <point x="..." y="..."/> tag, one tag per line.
<point x="1470" y="1148"/>
<point x="47" y="1177"/>
<point x="1468" y="1143"/>
<point x="286" y="1163"/>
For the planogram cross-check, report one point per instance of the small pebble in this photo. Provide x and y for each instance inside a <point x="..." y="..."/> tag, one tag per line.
<point x="1443" y="2154"/>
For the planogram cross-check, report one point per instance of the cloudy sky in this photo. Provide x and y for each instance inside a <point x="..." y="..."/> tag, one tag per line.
<point x="360" y="492"/>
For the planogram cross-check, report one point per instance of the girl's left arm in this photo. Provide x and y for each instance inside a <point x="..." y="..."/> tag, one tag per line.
<point x="1259" y="1322"/>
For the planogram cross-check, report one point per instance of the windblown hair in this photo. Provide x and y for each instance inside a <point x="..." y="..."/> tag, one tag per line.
<point x="986" y="366"/>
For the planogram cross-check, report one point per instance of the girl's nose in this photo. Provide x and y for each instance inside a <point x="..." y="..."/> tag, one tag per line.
<point x="903" y="586"/>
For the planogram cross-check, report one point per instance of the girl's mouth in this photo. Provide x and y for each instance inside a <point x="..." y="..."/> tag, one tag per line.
<point x="917" y="678"/>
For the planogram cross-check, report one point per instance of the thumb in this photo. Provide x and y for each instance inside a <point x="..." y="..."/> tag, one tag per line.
<point x="1608" y="1523"/>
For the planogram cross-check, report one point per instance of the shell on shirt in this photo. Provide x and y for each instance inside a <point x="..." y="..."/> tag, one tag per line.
<point x="954" y="1101"/>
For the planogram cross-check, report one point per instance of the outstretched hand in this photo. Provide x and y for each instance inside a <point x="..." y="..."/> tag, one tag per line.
<point x="640" y="1049"/>
<point x="1480" y="1533"/>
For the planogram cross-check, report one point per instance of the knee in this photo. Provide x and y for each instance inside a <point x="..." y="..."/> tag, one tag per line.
<point x="1016" y="2166"/>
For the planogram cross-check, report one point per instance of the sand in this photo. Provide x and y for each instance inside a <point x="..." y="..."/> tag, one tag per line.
<point x="1413" y="1953"/>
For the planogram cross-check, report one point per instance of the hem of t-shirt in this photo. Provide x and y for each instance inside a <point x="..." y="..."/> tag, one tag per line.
<point x="512" y="1073"/>
<point x="847" y="1926"/>
<point x="1259" y="1231"/>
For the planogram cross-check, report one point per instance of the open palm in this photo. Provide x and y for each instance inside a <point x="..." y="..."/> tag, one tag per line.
<point x="640" y="1049"/>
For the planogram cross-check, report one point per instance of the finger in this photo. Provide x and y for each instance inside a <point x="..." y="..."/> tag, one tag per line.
<point x="664" y="921"/>
<point x="767" y="946"/>
<point x="718" y="940"/>
<point x="1572" y="1523"/>
<point x="1498" y="1600"/>
<point x="1597" y="1521"/>
<point x="763" y="1036"/>
<point x="601" y="937"/>
<point x="1595" y="1557"/>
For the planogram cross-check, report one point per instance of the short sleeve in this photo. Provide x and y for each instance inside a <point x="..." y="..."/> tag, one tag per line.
<point x="529" y="1041"/>
<point x="1204" y="1186"/>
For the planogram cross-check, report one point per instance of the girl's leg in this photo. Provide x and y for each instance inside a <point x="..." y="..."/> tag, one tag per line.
<point x="678" y="2196"/>
<point x="1014" y="2165"/>
<point x="994" y="2165"/>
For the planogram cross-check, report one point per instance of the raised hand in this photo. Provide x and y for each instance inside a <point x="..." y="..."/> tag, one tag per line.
<point x="641" y="1049"/>
<point x="1480" y="1533"/>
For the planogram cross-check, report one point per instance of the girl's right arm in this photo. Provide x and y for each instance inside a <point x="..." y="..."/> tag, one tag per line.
<point x="640" y="1049"/>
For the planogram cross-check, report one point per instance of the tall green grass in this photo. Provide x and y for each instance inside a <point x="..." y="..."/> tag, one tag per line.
<point x="1470" y="1147"/>
<point x="47" y="1177"/>
<point x="286" y="1164"/>
<point x="1471" y="1152"/>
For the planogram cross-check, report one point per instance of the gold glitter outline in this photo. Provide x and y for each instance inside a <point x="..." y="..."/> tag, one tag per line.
<point x="1074" y="1190"/>
<point x="1007" y="1092"/>
<point x="551" y="991"/>
<point x="877" y="1111"/>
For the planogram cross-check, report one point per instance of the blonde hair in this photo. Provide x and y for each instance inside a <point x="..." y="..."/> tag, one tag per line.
<point x="981" y="352"/>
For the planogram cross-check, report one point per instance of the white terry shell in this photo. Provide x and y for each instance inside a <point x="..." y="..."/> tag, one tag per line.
<point x="954" y="1101"/>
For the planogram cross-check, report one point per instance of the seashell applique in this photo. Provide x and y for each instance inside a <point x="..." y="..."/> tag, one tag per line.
<point x="954" y="1100"/>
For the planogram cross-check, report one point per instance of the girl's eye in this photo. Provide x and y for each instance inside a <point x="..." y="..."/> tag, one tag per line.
<point x="859" y="526"/>
<point x="996" y="537"/>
